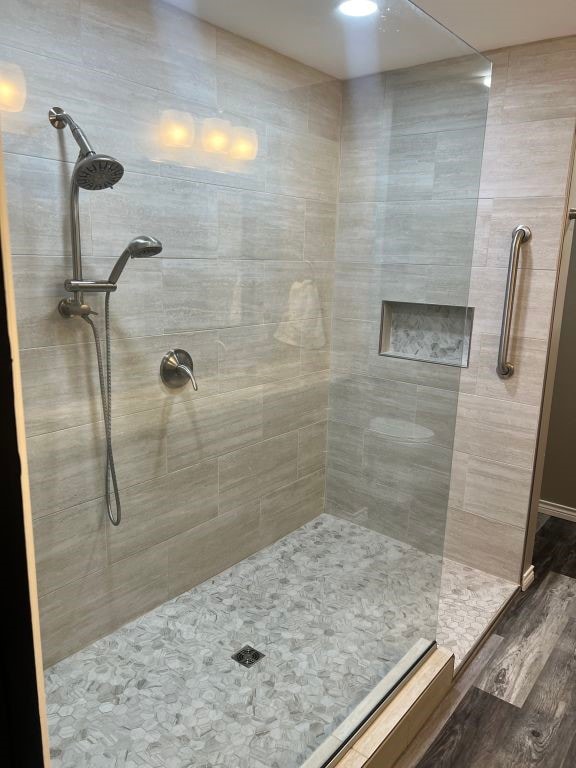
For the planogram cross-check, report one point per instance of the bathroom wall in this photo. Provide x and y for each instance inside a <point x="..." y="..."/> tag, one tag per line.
<point x="411" y="157"/>
<point x="525" y="175"/>
<point x="207" y="478"/>
<point x="408" y="235"/>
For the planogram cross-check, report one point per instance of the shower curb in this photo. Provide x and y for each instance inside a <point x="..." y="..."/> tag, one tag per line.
<point x="389" y="735"/>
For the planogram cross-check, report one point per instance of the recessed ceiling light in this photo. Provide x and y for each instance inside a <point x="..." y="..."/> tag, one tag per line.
<point x="358" y="7"/>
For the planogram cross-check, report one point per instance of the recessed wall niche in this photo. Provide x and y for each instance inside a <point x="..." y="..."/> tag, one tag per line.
<point x="430" y="333"/>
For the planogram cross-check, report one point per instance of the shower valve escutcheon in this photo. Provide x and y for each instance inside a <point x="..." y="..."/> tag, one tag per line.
<point x="177" y="369"/>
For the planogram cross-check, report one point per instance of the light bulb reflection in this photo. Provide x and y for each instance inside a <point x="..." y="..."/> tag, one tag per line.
<point x="12" y="87"/>
<point x="216" y="135"/>
<point x="244" y="144"/>
<point x="177" y="129"/>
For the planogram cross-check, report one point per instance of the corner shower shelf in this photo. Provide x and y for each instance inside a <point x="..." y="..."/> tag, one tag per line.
<point x="429" y="333"/>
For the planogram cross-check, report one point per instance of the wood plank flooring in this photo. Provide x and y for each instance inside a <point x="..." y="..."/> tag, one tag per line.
<point x="519" y="705"/>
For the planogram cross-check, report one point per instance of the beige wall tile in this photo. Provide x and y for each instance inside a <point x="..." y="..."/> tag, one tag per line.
<point x="39" y="322"/>
<point x="482" y="232"/>
<point x="58" y="459"/>
<point x="253" y="472"/>
<point x="44" y="27"/>
<point x="159" y="509"/>
<point x="320" y="231"/>
<point x="40" y="187"/>
<point x="458" y="479"/>
<point x="295" y="403"/>
<point x="544" y="216"/>
<point x="280" y="306"/>
<point x="484" y="544"/>
<point x="205" y="295"/>
<point x="345" y="446"/>
<point x="541" y="85"/>
<point x="499" y="79"/>
<point x="436" y="415"/>
<point x="497" y="429"/>
<point x="379" y="405"/>
<point x="527" y="160"/>
<point x="280" y="106"/>
<point x="182" y="215"/>
<point x="288" y="508"/>
<point x="312" y="448"/>
<point x="396" y="463"/>
<point x="362" y="500"/>
<point x="207" y="427"/>
<point x="260" y="226"/>
<point x="532" y="306"/>
<point x="157" y="24"/>
<point x="257" y="354"/>
<point x="127" y="52"/>
<point x="529" y="358"/>
<point x="497" y="491"/>
<point x="325" y="109"/>
<point x="60" y="387"/>
<point x="70" y="544"/>
<point x="421" y="103"/>
<point x="302" y="165"/>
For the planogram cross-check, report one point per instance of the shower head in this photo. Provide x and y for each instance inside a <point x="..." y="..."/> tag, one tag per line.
<point x="98" y="172"/>
<point x="92" y="171"/>
<point x="141" y="247"/>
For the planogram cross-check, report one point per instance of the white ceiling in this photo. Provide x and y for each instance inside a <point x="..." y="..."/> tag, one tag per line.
<point x="490" y="24"/>
<point x="313" y="32"/>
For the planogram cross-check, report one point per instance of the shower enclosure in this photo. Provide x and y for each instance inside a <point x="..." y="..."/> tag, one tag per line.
<point x="313" y="179"/>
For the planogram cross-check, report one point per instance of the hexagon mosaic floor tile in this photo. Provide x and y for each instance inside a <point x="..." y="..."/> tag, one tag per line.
<point x="332" y="607"/>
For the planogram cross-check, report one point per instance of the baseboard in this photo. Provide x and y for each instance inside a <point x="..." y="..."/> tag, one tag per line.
<point x="528" y="578"/>
<point x="557" y="510"/>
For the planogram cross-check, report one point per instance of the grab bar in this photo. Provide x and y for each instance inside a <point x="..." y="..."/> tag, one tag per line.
<point x="505" y="368"/>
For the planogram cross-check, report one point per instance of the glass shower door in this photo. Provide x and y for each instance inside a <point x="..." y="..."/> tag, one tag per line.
<point x="313" y="178"/>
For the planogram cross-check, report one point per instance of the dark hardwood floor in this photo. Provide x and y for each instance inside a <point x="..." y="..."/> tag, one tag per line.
<point x="519" y="708"/>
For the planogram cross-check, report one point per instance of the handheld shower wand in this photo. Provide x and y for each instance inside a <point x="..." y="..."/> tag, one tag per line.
<point x="141" y="247"/>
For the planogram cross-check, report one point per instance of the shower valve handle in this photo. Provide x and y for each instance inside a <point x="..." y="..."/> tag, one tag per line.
<point x="177" y="369"/>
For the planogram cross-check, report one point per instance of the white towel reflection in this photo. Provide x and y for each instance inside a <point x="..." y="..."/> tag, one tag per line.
<point x="302" y="323"/>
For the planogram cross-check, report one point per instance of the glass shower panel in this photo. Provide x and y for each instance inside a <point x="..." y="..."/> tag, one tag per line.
<point x="313" y="179"/>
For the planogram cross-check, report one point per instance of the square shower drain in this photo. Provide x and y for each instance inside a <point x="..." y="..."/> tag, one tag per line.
<point x="247" y="656"/>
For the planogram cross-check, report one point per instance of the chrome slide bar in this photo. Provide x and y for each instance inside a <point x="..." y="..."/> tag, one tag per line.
<point x="505" y="369"/>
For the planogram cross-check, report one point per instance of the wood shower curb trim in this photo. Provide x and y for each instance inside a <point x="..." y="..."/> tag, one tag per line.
<point x="385" y="739"/>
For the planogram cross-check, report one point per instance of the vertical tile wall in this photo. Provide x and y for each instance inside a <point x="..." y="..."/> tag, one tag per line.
<point x="525" y="174"/>
<point x="210" y="478"/>
<point x="411" y="157"/>
<point x="206" y="478"/>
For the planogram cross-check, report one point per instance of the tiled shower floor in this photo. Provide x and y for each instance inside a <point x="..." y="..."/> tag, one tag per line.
<point x="331" y="606"/>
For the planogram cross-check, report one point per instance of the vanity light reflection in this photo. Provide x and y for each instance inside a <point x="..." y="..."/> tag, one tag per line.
<point x="12" y="87"/>
<point x="216" y="135"/>
<point x="177" y="129"/>
<point x="244" y="145"/>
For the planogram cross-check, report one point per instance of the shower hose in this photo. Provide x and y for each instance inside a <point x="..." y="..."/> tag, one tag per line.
<point x="105" y="376"/>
